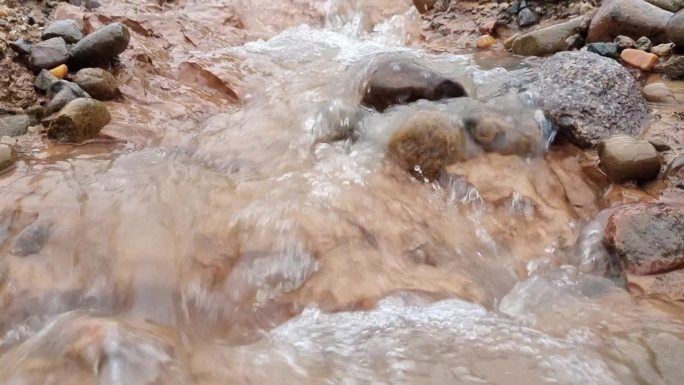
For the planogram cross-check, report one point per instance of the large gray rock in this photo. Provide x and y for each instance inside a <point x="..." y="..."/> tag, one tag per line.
<point x="98" y="83"/>
<point x="66" y="29"/>
<point x="673" y="68"/>
<point x="8" y="156"/>
<point x="633" y="18"/>
<point x="647" y="238"/>
<point x="670" y="5"/>
<point x="79" y="120"/>
<point x="547" y="40"/>
<point x="14" y="125"/>
<point x="392" y="81"/>
<point x="675" y="29"/>
<point x="49" y="54"/>
<point x="100" y="46"/>
<point x="62" y="92"/>
<point x="590" y="97"/>
<point x="625" y="158"/>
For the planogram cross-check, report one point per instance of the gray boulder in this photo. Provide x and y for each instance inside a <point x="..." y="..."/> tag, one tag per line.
<point x="100" y="46"/>
<point x="62" y="92"/>
<point x="79" y="120"/>
<point x="66" y="29"/>
<point x="590" y="97"/>
<point x="49" y="54"/>
<point x="675" y="29"/>
<point x="547" y="40"/>
<point x="14" y="125"/>
<point x="98" y="83"/>
<point x="633" y="18"/>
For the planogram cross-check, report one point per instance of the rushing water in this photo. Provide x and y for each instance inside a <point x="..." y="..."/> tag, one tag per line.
<point x="219" y="240"/>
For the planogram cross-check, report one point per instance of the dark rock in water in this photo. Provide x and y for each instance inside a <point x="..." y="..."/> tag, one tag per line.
<point x="624" y="42"/>
<point x="338" y="122"/>
<point x="675" y="29"/>
<point x="14" y="125"/>
<point x="673" y="68"/>
<point x="98" y="83"/>
<point x="8" y="156"/>
<point x="62" y="92"/>
<point x="79" y="120"/>
<point x="391" y="82"/>
<point x="100" y="46"/>
<point x="32" y="239"/>
<point x="547" y="40"/>
<point x="45" y="80"/>
<point x="590" y="97"/>
<point x="49" y="54"/>
<point x="643" y="43"/>
<point x="66" y="29"/>
<point x="633" y="18"/>
<point x="625" y="158"/>
<point x="426" y="143"/>
<point x="647" y="238"/>
<point x="527" y="17"/>
<point x="604" y="49"/>
<point x="21" y="46"/>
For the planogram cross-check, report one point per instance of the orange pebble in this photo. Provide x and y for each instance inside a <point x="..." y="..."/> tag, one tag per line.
<point x="640" y="59"/>
<point x="485" y="41"/>
<point x="60" y="71"/>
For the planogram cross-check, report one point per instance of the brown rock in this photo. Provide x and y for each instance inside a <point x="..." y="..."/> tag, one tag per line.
<point x="98" y="83"/>
<point x="668" y="286"/>
<point x="79" y="120"/>
<point x="625" y="158"/>
<point x="485" y="41"/>
<point x="624" y="42"/>
<point x="390" y="82"/>
<point x="647" y="238"/>
<point x="8" y="156"/>
<point x="658" y="93"/>
<point x="633" y="18"/>
<point x="547" y="40"/>
<point x="426" y="143"/>
<point x="643" y="60"/>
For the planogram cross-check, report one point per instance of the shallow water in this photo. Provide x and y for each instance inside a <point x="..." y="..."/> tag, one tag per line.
<point x="215" y="238"/>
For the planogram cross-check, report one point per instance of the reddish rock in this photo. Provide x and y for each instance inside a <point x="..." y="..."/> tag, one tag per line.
<point x="485" y="41"/>
<point x="488" y="26"/>
<point x="648" y="239"/>
<point x="636" y="58"/>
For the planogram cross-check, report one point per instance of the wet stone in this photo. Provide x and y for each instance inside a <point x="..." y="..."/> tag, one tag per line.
<point x="79" y="120"/>
<point x="663" y="50"/>
<point x="574" y="42"/>
<point x="49" y="54"/>
<point x="426" y="143"/>
<point x="647" y="238"/>
<point x="547" y="40"/>
<point x="527" y="17"/>
<point x="658" y="93"/>
<point x="66" y="29"/>
<point x="609" y="50"/>
<point x="633" y="18"/>
<point x="590" y="97"/>
<point x="62" y="92"/>
<point x="393" y="82"/>
<point x="98" y="83"/>
<point x="625" y="158"/>
<point x="14" y="125"/>
<point x="624" y="42"/>
<point x="8" y="156"/>
<point x="643" y="43"/>
<point x="100" y="46"/>
<point x="673" y="68"/>
<point x="21" y="46"/>
<point x="45" y="80"/>
<point x="675" y="29"/>
<point x="32" y="239"/>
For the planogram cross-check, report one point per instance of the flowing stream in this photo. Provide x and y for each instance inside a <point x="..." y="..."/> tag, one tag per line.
<point x="217" y="239"/>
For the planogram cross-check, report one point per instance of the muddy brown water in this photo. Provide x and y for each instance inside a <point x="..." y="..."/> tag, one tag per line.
<point x="212" y="239"/>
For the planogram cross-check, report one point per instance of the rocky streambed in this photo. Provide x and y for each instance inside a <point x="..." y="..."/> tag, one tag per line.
<point x="341" y="191"/>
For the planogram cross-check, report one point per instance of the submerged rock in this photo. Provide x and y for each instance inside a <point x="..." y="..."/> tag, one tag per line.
<point x="79" y="120"/>
<point x="49" y="54"/>
<point x="426" y="143"/>
<point x="62" y="92"/>
<point x="647" y="238"/>
<point x="590" y="97"/>
<point x="98" y="83"/>
<point x="392" y="82"/>
<point x="32" y="239"/>
<point x="625" y="158"/>
<point x="658" y="93"/>
<point x="547" y="40"/>
<point x="8" y="156"/>
<point x="100" y="46"/>
<point x="633" y="18"/>
<point x="66" y="29"/>
<point x="675" y="29"/>
<point x="14" y="125"/>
